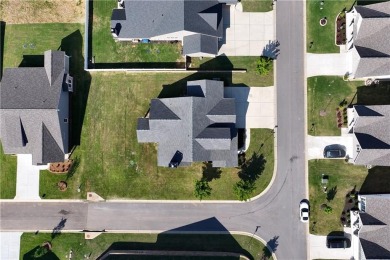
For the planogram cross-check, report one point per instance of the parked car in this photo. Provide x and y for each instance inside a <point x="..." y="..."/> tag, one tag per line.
<point x="337" y="242"/>
<point x="334" y="151"/>
<point x="304" y="211"/>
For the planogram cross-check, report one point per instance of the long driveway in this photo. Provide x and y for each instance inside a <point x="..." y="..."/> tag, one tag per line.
<point x="273" y="217"/>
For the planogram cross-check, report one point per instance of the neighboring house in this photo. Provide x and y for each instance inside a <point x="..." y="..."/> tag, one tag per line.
<point x="198" y="24"/>
<point x="197" y="127"/>
<point x="371" y="227"/>
<point x="370" y="126"/>
<point x="368" y="37"/>
<point x="34" y="109"/>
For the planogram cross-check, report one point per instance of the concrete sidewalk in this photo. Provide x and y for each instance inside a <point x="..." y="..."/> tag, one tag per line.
<point x="318" y="249"/>
<point x="10" y="245"/>
<point x="326" y="64"/>
<point x="27" y="179"/>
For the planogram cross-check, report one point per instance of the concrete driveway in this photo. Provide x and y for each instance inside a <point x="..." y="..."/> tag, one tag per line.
<point x="10" y="245"/>
<point x="318" y="249"/>
<point x="255" y="106"/>
<point x="246" y="33"/>
<point x="27" y="179"/>
<point x="316" y="145"/>
<point x="326" y="64"/>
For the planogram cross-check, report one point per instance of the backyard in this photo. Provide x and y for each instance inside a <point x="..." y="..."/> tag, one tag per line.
<point x="321" y="39"/>
<point x="81" y="248"/>
<point x="342" y="179"/>
<point x="326" y="93"/>
<point x="106" y="50"/>
<point x="114" y="165"/>
<point x="257" y="5"/>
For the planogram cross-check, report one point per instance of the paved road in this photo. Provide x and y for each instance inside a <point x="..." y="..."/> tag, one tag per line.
<point x="275" y="214"/>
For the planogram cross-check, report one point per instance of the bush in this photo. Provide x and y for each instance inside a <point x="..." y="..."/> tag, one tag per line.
<point x="328" y="210"/>
<point x="202" y="189"/>
<point x="244" y="189"/>
<point x="264" y="66"/>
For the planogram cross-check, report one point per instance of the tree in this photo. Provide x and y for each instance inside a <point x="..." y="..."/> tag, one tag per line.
<point x="264" y="66"/>
<point x="202" y="189"/>
<point x="244" y="189"/>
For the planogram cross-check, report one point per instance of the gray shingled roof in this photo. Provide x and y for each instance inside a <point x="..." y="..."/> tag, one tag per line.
<point x="194" y="134"/>
<point x="201" y="44"/>
<point x="371" y="40"/>
<point x="375" y="242"/>
<point x="371" y="129"/>
<point x="33" y="107"/>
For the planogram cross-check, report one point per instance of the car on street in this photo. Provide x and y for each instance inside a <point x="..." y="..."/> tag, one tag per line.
<point x="334" y="151"/>
<point x="304" y="211"/>
<point x="337" y="242"/>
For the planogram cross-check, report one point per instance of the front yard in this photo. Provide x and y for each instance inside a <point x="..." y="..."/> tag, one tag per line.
<point x="114" y="165"/>
<point x="323" y="37"/>
<point x="257" y="5"/>
<point x="62" y="244"/>
<point x="343" y="178"/>
<point x="7" y="175"/>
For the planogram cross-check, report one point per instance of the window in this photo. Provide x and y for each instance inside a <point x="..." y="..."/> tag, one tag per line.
<point x="65" y="120"/>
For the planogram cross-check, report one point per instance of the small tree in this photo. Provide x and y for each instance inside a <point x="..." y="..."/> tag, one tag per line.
<point x="264" y="66"/>
<point x="202" y="189"/>
<point x="328" y="210"/>
<point x="244" y="189"/>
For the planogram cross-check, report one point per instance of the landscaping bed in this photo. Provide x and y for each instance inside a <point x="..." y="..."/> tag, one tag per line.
<point x="65" y="244"/>
<point x="341" y="37"/>
<point x="343" y="179"/>
<point x="60" y="167"/>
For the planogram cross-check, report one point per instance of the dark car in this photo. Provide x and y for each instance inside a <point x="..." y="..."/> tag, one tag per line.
<point x="337" y="242"/>
<point x="334" y="151"/>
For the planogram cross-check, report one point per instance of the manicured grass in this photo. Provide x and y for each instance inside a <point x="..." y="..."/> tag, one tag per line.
<point x="106" y="50"/>
<point x="325" y="93"/>
<point x="7" y="175"/>
<point x="250" y="78"/>
<point x="63" y="243"/>
<point x="114" y="165"/>
<point x="257" y="5"/>
<point x="323" y="37"/>
<point x="34" y="39"/>
<point x="343" y="177"/>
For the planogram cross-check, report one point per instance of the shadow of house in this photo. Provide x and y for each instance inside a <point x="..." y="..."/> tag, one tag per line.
<point x="48" y="256"/>
<point x="2" y="34"/>
<point x="377" y="181"/>
<point x="374" y="95"/>
<point x="177" y="240"/>
<point x="73" y="47"/>
<point x="32" y="61"/>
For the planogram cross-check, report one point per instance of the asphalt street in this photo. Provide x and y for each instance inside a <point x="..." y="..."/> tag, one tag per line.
<point x="274" y="216"/>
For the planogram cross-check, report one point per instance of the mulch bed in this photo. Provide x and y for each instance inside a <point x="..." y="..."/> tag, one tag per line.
<point x="341" y="37"/>
<point x="60" y="167"/>
<point x="351" y="203"/>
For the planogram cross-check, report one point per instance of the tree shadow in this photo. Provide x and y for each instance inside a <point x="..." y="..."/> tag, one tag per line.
<point x="57" y="229"/>
<point x="177" y="240"/>
<point x="377" y="181"/>
<point x="209" y="172"/>
<point x="2" y="34"/>
<point x="253" y="168"/>
<point x="331" y="194"/>
<point x="48" y="256"/>
<point x="73" y="47"/>
<point x="273" y="244"/>
<point x="270" y="50"/>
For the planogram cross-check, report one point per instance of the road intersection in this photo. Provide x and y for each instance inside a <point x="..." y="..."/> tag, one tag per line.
<point x="273" y="216"/>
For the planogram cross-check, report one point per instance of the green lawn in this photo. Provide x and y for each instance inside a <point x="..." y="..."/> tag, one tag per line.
<point x="7" y="175"/>
<point x="323" y="37"/>
<point x="257" y="5"/>
<point x="114" y="165"/>
<point x="106" y="50"/>
<point x="63" y="243"/>
<point x="343" y="177"/>
<point x="250" y="78"/>
<point x="325" y="93"/>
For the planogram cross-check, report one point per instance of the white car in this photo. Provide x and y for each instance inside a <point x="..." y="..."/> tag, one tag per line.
<point x="304" y="211"/>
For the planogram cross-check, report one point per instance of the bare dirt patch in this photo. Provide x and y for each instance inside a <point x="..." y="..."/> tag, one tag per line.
<point x="42" y="11"/>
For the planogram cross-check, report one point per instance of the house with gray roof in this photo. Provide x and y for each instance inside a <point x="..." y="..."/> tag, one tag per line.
<point x="370" y="127"/>
<point x="200" y="126"/>
<point x="198" y="24"/>
<point x="371" y="227"/>
<point x="368" y="37"/>
<point x="34" y="109"/>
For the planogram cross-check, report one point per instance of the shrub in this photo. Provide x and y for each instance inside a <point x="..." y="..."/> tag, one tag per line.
<point x="328" y="209"/>
<point x="264" y="66"/>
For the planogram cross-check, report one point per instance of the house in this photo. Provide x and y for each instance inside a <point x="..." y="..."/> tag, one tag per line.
<point x="197" y="24"/>
<point x="198" y="127"/>
<point x="34" y="109"/>
<point x="370" y="127"/>
<point x="368" y="37"/>
<point x="371" y="229"/>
